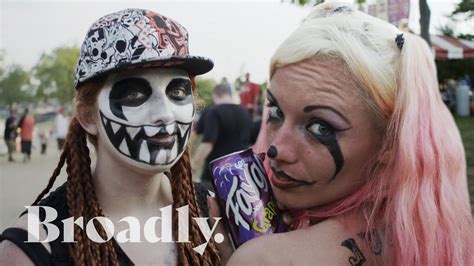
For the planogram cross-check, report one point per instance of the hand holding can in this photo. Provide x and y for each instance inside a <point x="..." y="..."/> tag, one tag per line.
<point x="245" y="196"/>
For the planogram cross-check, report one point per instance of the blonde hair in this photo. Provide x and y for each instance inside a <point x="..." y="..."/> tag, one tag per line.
<point x="419" y="193"/>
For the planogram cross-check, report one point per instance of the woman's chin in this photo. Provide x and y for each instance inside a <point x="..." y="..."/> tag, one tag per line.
<point x="293" y="200"/>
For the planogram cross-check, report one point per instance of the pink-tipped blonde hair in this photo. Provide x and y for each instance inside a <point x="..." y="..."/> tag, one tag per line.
<point x="417" y="189"/>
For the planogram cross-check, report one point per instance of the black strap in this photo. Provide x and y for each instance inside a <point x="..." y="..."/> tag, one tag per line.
<point x="34" y="250"/>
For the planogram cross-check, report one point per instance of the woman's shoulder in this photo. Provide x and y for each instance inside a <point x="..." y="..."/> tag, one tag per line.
<point x="331" y="242"/>
<point x="10" y="251"/>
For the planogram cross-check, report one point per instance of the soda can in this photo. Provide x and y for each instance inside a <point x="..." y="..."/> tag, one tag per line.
<point x="245" y="196"/>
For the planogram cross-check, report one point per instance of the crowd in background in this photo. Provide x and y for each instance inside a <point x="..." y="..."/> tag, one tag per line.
<point x="20" y="133"/>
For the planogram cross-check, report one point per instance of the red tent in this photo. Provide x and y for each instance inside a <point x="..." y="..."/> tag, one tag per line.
<point x="447" y="48"/>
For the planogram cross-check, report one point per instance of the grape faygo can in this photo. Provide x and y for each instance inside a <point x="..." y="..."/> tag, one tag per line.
<point x="245" y="196"/>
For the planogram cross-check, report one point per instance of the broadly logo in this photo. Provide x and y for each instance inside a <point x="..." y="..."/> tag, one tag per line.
<point x="132" y="234"/>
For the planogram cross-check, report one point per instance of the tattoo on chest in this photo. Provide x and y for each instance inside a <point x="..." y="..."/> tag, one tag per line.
<point x="372" y="239"/>
<point x="358" y="259"/>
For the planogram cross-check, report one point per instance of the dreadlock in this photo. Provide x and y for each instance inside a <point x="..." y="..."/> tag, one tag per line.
<point x="183" y="193"/>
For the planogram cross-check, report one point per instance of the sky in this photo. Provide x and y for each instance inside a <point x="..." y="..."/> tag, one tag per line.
<point x="239" y="36"/>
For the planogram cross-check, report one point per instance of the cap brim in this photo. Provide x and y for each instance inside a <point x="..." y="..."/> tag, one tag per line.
<point x="194" y="65"/>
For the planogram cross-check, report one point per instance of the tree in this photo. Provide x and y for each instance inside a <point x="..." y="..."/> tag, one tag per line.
<point x="464" y="12"/>
<point x="2" y="58"/>
<point x="305" y="2"/>
<point x="315" y="2"/>
<point x="465" y="7"/>
<point x="14" y="85"/>
<point x="425" y="17"/>
<point x="55" y="72"/>
<point x="204" y="92"/>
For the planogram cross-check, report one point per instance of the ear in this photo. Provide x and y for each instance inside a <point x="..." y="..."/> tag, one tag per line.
<point x="86" y="118"/>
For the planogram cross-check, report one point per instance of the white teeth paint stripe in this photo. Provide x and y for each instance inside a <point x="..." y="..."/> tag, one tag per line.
<point x="144" y="153"/>
<point x="115" y="127"/>
<point x="182" y="129"/>
<point x="170" y="129"/>
<point x="132" y="131"/>
<point x="151" y="131"/>
<point x="161" y="157"/>
<point x="174" y="152"/>
<point x="124" y="148"/>
<point x="104" y="120"/>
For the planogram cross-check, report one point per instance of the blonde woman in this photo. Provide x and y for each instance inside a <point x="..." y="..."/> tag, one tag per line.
<point x="361" y="150"/>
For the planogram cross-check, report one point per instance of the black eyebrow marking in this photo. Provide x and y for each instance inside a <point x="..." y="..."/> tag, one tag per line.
<point x="271" y="98"/>
<point x="311" y="108"/>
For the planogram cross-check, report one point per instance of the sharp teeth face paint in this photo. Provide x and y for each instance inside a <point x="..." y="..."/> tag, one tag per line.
<point x="322" y="138"/>
<point x="146" y="115"/>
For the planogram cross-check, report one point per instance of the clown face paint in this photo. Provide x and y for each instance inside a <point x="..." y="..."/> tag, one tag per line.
<point x="146" y="116"/>
<point x="323" y="134"/>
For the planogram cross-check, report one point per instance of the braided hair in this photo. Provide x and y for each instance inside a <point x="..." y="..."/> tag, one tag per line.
<point x="82" y="200"/>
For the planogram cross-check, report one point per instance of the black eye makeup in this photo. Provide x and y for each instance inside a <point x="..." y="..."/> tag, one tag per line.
<point x="275" y="113"/>
<point x="130" y="92"/>
<point x="179" y="89"/>
<point x="320" y="128"/>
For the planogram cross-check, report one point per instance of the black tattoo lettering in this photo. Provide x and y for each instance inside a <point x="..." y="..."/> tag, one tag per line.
<point x="358" y="259"/>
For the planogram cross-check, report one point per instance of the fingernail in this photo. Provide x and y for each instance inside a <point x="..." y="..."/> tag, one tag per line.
<point x="212" y="194"/>
<point x="209" y="205"/>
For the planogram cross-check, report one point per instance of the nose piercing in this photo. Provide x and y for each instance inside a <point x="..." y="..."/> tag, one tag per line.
<point x="272" y="152"/>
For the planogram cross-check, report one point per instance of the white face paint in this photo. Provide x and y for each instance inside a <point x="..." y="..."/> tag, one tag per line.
<point x="146" y="116"/>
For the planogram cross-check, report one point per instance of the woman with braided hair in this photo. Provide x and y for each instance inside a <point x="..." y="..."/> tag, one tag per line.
<point x="134" y="103"/>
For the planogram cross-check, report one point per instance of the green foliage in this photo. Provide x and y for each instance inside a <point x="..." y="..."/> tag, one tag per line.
<point x="454" y="69"/>
<point x="2" y="58"/>
<point x="204" y="92"/>
<point x="469" y="37"/>
<point x="315" y="2"/>
<point x="466" y="128"/>
<point x="446" y="30"/>
<point x="14" y="81"/>
<point x="304" y="2"/>
<point x="465" y="7"/>
<point x="55" y="71"/>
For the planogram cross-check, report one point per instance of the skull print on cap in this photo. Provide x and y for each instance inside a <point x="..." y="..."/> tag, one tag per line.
<point x="133" y="38"/>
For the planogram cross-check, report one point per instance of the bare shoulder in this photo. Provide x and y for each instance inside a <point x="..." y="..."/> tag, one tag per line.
<point x="330" y="242"/>
<point x="11" y="254"/>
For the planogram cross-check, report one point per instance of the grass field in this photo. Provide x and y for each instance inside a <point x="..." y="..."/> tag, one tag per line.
<point x="466" y="127"/>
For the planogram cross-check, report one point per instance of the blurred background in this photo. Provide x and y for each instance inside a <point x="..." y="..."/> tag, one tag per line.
<point x="40" y="41"/>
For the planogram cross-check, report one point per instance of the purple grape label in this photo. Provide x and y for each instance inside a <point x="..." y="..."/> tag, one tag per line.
<point x="245" y="196"/>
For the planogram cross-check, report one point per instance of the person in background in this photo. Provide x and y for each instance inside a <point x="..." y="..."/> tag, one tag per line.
<point x="249" y="95"/>
<point x="225" y="128"/>
<point x="10" y="134"/>
<point x="225" y="82"/>
<point x="43" y="136"/>
<point x="27" y="125"/>
<point x="61" y="124"/>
